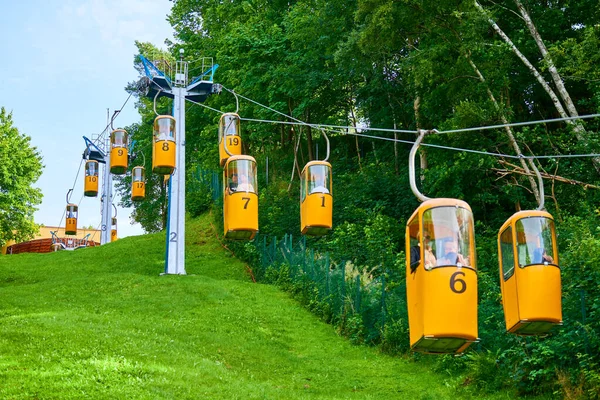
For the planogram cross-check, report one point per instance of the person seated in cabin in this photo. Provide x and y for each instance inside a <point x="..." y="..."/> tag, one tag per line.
<point x="164" y="132"/>
<point x="90" y="170"/>
<point x="233" y="183"/>
<point x="540" y="257"/>
<point x="317" y="184"/>
<point x="244" y="185"/>
<point x="415" y="254"/>
<point x="451" y="254"/>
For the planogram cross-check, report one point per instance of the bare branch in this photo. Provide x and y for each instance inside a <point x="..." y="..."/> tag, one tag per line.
<point x="518" y="170"/>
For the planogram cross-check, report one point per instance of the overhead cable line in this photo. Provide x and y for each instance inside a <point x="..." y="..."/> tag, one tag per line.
<point x="73" y="188"/>
<point x="114" y="116"/>
<point x="271" y="109"/>
<point x="487" y="153"/>
<point x="322" y="126"/>
<point x="348" y="128"/>
<point x="589" y="116"/>
<point x="542" y="121"/>
<point x="205" y="106"/>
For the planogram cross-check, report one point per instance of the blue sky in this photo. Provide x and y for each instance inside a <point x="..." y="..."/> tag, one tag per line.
<point x="63" y="64"/>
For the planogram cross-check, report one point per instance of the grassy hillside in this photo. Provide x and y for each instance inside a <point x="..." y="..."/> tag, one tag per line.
<point x="103" y="323"/>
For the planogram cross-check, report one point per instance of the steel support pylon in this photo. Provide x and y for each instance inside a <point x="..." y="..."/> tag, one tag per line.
<point x="106" y="199"/>
<point x="159" y="84"/>
<point x="175" y="257"/>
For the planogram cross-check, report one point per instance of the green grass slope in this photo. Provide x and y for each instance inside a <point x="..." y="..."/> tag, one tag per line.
<point x="103" y="323"/>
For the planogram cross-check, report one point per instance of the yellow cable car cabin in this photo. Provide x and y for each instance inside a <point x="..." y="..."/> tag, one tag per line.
<point x="113" y="229"/>
<point x="71" y="224"/>
<point x="316" y="200"/>
<point x="138" y="183"/>
<point x="163" y="149"/>
<point x="240" y="198"/>
<point x="529" y="273"/>
<point x="441" y="277"/>
<point x="229" y="137"/>
<point x="91" y="179"/>
<point x="119" y="142"/>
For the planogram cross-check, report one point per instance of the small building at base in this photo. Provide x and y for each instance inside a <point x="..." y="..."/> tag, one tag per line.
<point x="42" y="242"/>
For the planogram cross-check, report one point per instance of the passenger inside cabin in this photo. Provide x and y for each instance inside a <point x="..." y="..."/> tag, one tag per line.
<point x="415" y="253"/>
<point x="233" y="183"/>
<point x="451" y="254"/>
<point x="164" y="131"/>
<point x="317" y="183"/>
<point x="244" y="185"/>
<point x="540" y="256"/>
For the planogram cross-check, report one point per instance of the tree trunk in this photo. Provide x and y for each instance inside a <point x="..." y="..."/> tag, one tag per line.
<point x="396" y="167"/>
<point x="577" y="127"/>
<point x="291" y="134"/>
<point x="532" y="69"/>
<point x="511" y="137"/>
<point x="355" y="137"/>
<point x="295" y="167"/>
<point x="423" y="152"/>
<point x="558" y="82"/>
<point x="309" y="138"/>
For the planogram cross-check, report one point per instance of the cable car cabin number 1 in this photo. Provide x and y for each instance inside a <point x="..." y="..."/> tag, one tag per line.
<point x="316" y="200"/>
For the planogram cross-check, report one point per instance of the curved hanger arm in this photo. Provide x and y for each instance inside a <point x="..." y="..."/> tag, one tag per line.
<point x="113" y="118"/>
<point x="328" y="147"/>
<point x="115" y="207"/>
<point x="69" y="195"/>
<point x="411" y="166"/>
<point x="155" y="97"/>
<point x="225" y="136"/>
<point x="237" y="102"/>
<point x="237" y="110"/>
<point x="540" y="183"/>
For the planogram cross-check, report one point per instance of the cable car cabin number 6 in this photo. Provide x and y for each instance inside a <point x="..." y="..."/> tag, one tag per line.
<point x="441" y="277"/>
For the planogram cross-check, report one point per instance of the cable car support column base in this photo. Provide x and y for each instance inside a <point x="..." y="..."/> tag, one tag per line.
<point x="107" y="198"/>
<point x="175" y="257"/>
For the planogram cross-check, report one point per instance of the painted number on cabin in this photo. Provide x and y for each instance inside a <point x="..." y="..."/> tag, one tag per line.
<point x="234" y="141"/>
<point x="246" y="203"/>
<point x="458" y="285"/>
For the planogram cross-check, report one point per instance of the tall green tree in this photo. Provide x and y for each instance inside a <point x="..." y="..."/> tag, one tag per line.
<point x="20" y="168"/>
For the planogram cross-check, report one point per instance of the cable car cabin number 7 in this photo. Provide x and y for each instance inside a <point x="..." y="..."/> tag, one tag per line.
<point x="240" y="199"/>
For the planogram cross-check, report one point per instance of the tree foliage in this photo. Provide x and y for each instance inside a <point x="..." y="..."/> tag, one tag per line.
<point x="411" y="64"/>
<point x="20" y="168"/>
